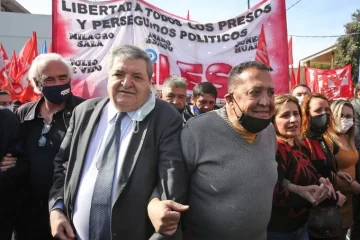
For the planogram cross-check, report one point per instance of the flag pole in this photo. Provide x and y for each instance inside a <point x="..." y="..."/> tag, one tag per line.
<point x="248" y="4"/>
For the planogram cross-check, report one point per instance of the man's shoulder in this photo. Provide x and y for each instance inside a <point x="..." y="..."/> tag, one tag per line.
<point x="6" y="114"/>
<point x="76" y="100"/>
<point x="90" y="103"/>
<point x="165" y="110"/>
<point x="203" y="120"/>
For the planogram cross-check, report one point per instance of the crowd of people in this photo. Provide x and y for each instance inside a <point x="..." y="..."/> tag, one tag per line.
<point x="140" y="165"/>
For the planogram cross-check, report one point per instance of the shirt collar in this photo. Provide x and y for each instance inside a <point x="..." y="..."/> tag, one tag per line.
<point x="112" y="111"/>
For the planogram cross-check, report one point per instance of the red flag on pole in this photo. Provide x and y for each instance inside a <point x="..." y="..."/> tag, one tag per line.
<point x="298" y="78"/>
<point x="3" y="52"/>
<point x="291" y="62"/>
<point x="292" y="79"/>
<point x="261" y="51"/>
<point x="188" y="15"/>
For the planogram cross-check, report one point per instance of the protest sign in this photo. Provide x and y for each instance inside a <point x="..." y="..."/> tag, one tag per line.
<point x="85" y="31"/>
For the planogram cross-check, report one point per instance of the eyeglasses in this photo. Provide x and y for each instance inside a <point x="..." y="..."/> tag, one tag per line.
<point x="46" y="128"/>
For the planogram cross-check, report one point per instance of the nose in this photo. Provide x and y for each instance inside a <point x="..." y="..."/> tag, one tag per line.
<point x="264" y="100"/>
<point x="126" y="83"/>
<point x="175" y="100"/>
<point x="292" y="118"/>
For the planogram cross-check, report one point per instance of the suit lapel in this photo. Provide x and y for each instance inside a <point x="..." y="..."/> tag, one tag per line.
<point x="86" y="132"/>
<point x="132" y="155"/>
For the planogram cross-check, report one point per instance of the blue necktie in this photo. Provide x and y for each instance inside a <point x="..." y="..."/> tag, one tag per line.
<point x="100" y="211"/>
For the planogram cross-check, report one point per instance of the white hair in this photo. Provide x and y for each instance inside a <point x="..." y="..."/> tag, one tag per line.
<point x="40" y="60"/>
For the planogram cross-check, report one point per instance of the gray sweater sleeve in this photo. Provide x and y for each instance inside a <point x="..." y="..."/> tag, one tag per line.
<point x="189" y="145"/>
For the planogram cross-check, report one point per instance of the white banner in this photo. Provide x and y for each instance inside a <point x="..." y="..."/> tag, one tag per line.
<point x="85" y="31"/>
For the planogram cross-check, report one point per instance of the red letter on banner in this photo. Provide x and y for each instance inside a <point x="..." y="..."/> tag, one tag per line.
<point x="164" y="68"/>
<point x="217" y="74"/>
<point x="188" y="70"/>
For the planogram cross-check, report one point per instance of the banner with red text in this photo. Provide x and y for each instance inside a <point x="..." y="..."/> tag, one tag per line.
<point x="334" y="83"/>
<point x="85" y="31"/>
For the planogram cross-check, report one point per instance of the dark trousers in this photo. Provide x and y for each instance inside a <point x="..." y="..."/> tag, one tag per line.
<point x="355" y="229"/>
<point x="34" y="221"/>
<point x="7" y="221"/>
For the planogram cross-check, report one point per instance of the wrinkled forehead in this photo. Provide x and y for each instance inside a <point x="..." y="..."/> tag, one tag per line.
<point x="254" y="78"/>
<point x="52" y="67"/>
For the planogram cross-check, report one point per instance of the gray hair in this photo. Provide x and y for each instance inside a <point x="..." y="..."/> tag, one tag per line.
<point x="34" y="74"/>
<point x="130" y="52"/>
<point x="175" y="82"/>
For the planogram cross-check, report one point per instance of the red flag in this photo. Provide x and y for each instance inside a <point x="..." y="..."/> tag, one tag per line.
<point x="188" y="15"/>
<point x="50" y="48"/>
<point x="3" y="52"/>
<point x="298" y="78"/>
<point x="29" y="51"/>
<point x="261" y="51"/>
<point x="291" y="62"/>
<point x="292" y="79"/>
<point x="14" y="66"/>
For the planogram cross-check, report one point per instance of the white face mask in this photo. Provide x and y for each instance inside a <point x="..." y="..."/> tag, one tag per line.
<point x="10" y="108"/>
<point x="345" y="125"/>
<point x="300" y="98"/>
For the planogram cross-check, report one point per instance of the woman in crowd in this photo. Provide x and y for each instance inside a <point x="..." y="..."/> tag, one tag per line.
<point x="318" y="125"/>
<point x="297" y="187"/>
<point x="346" y="157"/>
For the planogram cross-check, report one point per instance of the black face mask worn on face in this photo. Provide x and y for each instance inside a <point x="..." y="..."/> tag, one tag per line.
<point x="252" y="124"/>
<point x="57" y="94"/>
<point x="319" y="123"/>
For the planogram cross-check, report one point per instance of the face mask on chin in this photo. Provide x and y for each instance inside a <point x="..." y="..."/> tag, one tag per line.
<point x="57" y="94"/>
<point x="252" y="124"/>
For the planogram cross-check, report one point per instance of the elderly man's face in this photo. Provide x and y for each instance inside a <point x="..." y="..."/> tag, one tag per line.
<point x="254" y="94"/>
<point x="175" y="96"/>
<point x="129" y="85"/>
<point x="53" y="73"/>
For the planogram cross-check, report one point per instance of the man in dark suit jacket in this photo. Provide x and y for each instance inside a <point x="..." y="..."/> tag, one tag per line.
<point x="149" y="146"/>
<point x="12" y="173"/>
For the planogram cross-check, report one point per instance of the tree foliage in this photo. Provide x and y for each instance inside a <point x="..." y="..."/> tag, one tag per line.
<point x="320" y="66"/>
<point x="348" y="46"/>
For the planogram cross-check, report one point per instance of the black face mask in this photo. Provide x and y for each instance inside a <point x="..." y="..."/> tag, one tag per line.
<point x="57" y="94"/>
<point x="252" y="124"/>
<point x="320" y="123"/>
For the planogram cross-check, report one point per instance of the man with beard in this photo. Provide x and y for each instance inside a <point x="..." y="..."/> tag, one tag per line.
<point x="174" y="92"/>
<point x="203" y="99"/>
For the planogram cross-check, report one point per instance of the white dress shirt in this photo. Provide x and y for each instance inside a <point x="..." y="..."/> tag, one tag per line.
<point x="89" y="173"/>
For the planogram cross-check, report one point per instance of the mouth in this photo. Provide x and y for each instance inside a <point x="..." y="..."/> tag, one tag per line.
<point x="292" y="128"/>
<point x="126" y="92"/>
<point x="262" y="113"/>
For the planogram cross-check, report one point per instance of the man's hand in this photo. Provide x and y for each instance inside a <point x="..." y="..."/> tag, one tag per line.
<point x="65" y="165"/>
<point x="346" y="176"/>
<point x="60" y="226"/>
<point x="7" y="162"/>
<point x="165" y="215"/>
<point x="342" y="199"/>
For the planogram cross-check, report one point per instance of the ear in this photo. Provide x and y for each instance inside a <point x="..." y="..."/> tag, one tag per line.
<point x="192" y="99"/>
<point x="229" y="99"/>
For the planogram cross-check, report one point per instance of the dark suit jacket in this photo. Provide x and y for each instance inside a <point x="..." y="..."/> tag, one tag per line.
<point x="13" y="178"/>
<point x="151" y="166"/>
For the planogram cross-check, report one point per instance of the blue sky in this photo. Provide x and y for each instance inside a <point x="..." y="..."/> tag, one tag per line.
<point x="308" y="17"/>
